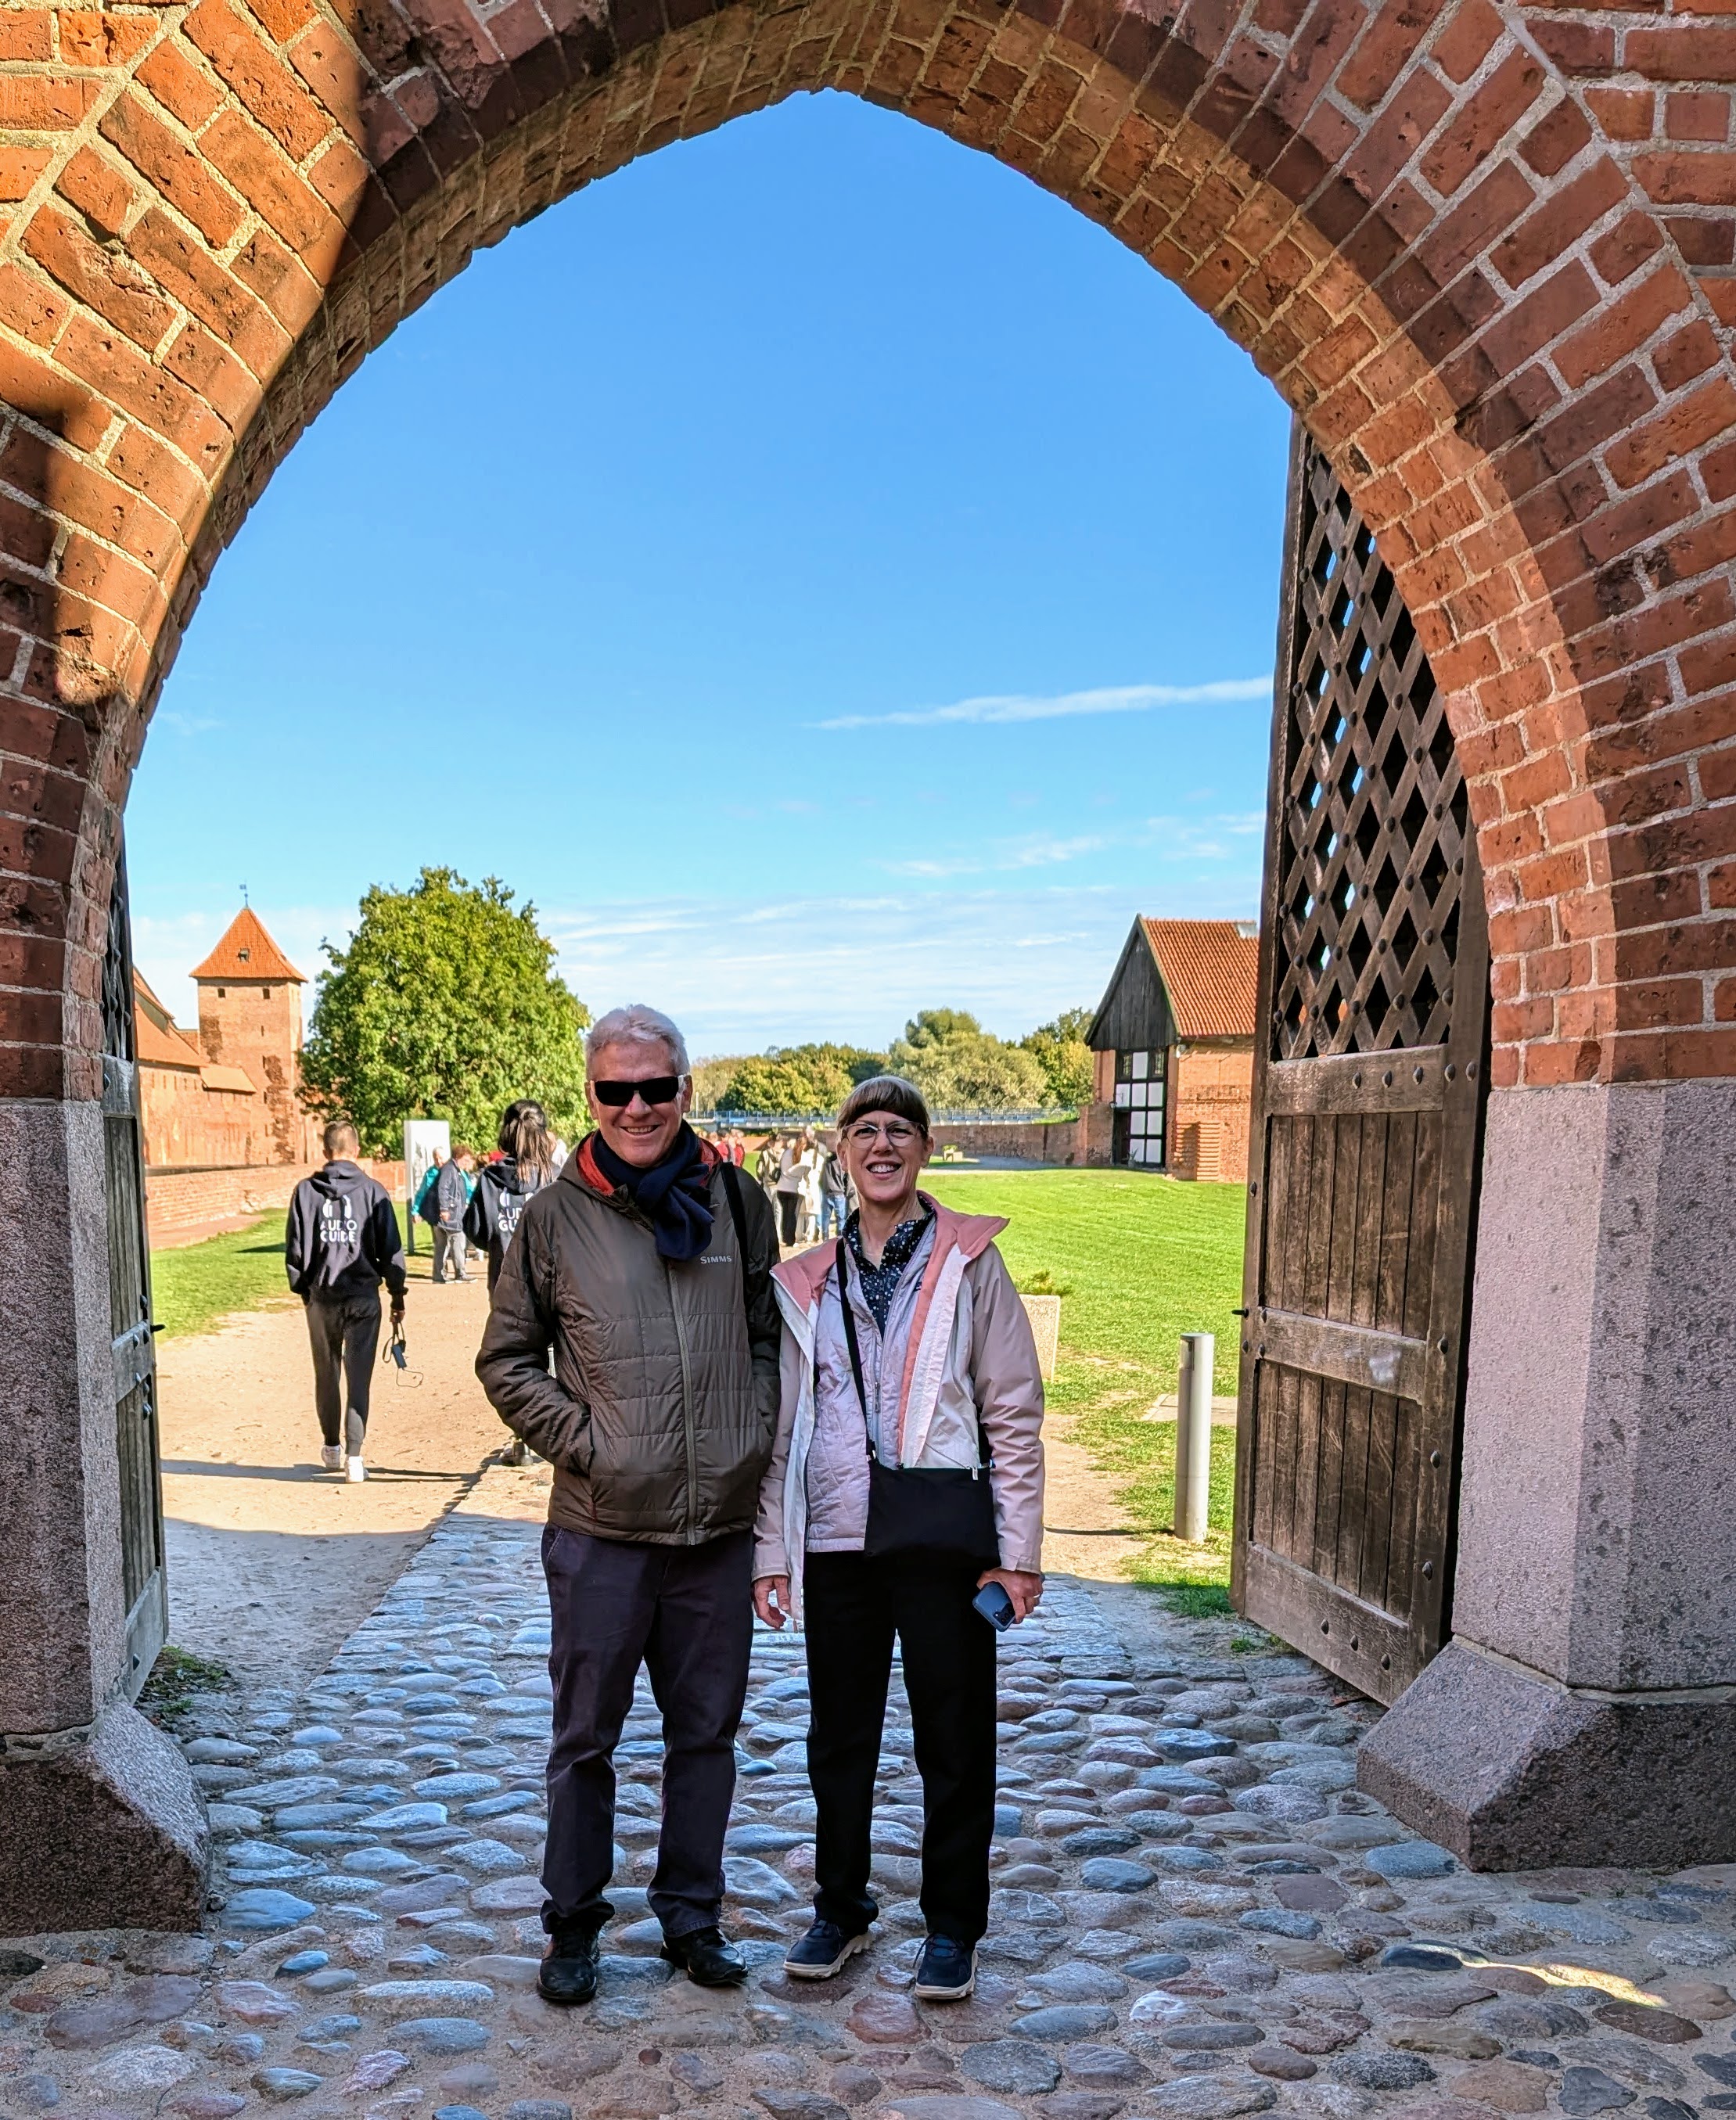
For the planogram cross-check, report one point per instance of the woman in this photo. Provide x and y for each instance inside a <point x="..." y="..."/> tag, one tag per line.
<point x="792" y="1184"/>
<point x="524" y="1165"/>
<point x="526" y="1162"/>
<point x="932" y="1365"/>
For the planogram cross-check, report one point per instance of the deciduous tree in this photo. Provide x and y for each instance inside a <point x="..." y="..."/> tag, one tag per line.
<point x="799" y="1081"/>
<point x="445" y="1005"/>
<point x="1059" y="1049"/>
<point x="959" y="1067"/>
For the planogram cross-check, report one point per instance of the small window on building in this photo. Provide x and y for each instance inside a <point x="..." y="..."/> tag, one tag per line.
<point x="222" y="993"/>
<point x="267" y="993"/>
<point x="243" y="955"/>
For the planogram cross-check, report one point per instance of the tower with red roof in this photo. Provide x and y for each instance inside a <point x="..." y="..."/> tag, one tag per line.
<point x="250" y="1018"/>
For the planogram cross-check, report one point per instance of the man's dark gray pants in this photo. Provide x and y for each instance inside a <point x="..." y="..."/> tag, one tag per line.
<point x="687" y="1613"/>
<point x="345" y="1337"/>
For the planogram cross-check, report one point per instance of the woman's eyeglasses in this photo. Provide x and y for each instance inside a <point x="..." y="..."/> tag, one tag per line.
<point x="655" y="1090"/>
<point x="895" y="1134"/>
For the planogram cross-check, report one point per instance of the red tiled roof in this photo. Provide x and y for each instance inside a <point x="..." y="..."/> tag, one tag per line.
<point x="1210" y="971"/>
<point x="228" y="1078"/>
<point x="158" y="1039"/>
<point x="247" y="952"/>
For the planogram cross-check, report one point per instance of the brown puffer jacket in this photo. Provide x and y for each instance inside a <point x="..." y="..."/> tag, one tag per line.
<point x="659" y="1416"/>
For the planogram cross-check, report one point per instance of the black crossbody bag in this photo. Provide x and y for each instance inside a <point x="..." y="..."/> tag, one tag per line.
<point x="920" y="1508"/>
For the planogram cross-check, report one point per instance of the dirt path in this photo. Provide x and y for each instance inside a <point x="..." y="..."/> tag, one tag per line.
<point x="271" y="1562"/>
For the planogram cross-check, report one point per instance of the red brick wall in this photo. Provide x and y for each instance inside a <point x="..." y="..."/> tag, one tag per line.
<point x="184" y="1122"/>
<point x="1211" y="1096"/>
<point x="258" y="1027"/>
<point x="1033" y="1141"/>
<point x="180" y="1203"/>
<point x="1487" y="252"/>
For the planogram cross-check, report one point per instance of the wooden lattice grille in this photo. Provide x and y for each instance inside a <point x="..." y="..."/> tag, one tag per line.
<point x="117" y="972"/>
<point x="1366" y="1123"/>
<point x="1373" y="858"/>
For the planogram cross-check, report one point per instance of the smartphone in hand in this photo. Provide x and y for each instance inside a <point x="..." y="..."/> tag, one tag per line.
<point x="995" y="1606"/>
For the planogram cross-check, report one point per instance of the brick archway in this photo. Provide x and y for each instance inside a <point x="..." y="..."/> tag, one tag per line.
<point x="1481" y="250"/>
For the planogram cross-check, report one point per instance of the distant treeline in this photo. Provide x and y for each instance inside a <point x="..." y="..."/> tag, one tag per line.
<point x="957" y="1065"/>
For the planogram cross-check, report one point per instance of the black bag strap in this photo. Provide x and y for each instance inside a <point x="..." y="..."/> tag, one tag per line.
<point x="732" y="1178"/>
<point x="853" y="1343"/>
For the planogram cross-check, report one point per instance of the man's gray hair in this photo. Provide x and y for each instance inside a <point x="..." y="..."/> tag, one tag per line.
<point x="636" y="1025"/>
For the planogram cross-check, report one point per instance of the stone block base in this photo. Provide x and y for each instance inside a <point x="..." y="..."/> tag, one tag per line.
<point x="108" y="1832"/>
<point x="1514" y="1771"/>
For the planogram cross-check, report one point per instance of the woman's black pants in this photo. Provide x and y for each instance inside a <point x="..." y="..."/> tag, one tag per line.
<point x="789" y="1205"/>
<point x="853" y="1606"/>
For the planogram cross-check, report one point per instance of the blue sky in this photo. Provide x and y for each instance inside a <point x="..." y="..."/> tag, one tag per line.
<point x="828" y="575"/>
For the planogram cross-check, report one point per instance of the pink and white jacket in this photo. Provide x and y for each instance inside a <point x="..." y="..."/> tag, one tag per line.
<point x="961" y="1358"/>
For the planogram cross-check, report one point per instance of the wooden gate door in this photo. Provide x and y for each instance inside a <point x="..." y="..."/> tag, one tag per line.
<point x="131" y="1327"/>
<point x="1370" y="1073"/>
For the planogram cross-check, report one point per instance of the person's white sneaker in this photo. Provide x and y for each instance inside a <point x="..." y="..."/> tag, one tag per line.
<point x="331" y="1457"/>
<point x="357" y="1470"/>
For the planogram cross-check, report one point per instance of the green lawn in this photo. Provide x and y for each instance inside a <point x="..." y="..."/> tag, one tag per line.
<point x="1137" y="1260"/>
<point x="195" y="1287"/>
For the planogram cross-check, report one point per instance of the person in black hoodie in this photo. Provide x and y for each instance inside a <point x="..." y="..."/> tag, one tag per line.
<point x="341" y="1242"/>
<point x="526" y="1164"/>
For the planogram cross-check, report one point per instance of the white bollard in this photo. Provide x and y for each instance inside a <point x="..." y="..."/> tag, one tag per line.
<point x="1194" y="1436"/>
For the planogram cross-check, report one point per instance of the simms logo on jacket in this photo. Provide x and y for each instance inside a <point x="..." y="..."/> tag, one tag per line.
<point x="718" y="1258"/>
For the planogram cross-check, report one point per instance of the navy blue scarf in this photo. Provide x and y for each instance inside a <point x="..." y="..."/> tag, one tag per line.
<point x="674" y="1194"/>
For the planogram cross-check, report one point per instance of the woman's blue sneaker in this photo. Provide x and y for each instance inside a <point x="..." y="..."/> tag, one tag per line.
<point x="823" y="1951"/>
<point x="946" y="1972"/>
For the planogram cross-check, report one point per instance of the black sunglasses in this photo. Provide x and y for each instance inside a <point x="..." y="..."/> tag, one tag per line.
<point x="655" y="1090"/>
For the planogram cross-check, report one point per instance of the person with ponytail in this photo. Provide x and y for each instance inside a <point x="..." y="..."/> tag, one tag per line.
<point x="525" y="1164"/>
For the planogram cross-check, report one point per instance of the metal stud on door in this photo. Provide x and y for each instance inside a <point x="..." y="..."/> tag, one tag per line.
<point x="1370" y="1071"/>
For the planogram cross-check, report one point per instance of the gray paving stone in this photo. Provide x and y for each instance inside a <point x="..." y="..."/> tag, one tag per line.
<point x="1012" y="2065"/>
<point x="283" y="2083"/>
<point x="1410" y="1859"/>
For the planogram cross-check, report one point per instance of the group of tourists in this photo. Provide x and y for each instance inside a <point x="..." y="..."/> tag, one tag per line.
<point x="442" y="1200"/>
<point x="804" y="1178"/>
<point x="850" y="1441"/>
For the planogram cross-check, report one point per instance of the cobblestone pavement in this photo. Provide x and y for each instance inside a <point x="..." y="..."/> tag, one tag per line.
<point x="1196" y="1916"/>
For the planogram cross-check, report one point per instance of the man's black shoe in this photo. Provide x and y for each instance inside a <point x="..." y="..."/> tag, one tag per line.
<point x="823" y="1951"/>
<point x="946" y="1972"/>
<point x="706" y="1958"/>
<point x="568" y="1972"/>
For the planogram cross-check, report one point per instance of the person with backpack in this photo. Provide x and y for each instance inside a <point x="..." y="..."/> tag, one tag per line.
<point x="442" y="1203"/>
<point x="645" y="1271"/>
<point x="340" y="1242"/>
<point x="904" y="1501"/>
<point x="524" y="1164"/>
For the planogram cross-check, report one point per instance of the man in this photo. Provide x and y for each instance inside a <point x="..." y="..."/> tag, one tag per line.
<point x="646" y="1269"/>
<point x="341" y="1243"/>
<point x="835" y="1189"/>
<point x="448" y="1198"/>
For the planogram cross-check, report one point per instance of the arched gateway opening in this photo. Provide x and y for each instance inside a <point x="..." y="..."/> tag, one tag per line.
<point x="1496" y="304"/>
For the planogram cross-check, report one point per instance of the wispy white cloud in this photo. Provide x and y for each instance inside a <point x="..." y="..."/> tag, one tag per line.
<point x="1003" y="856"/>
<point x="184" y="724"/>
<point x="740" y="976"/>
<point x="1059" y="706"/>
